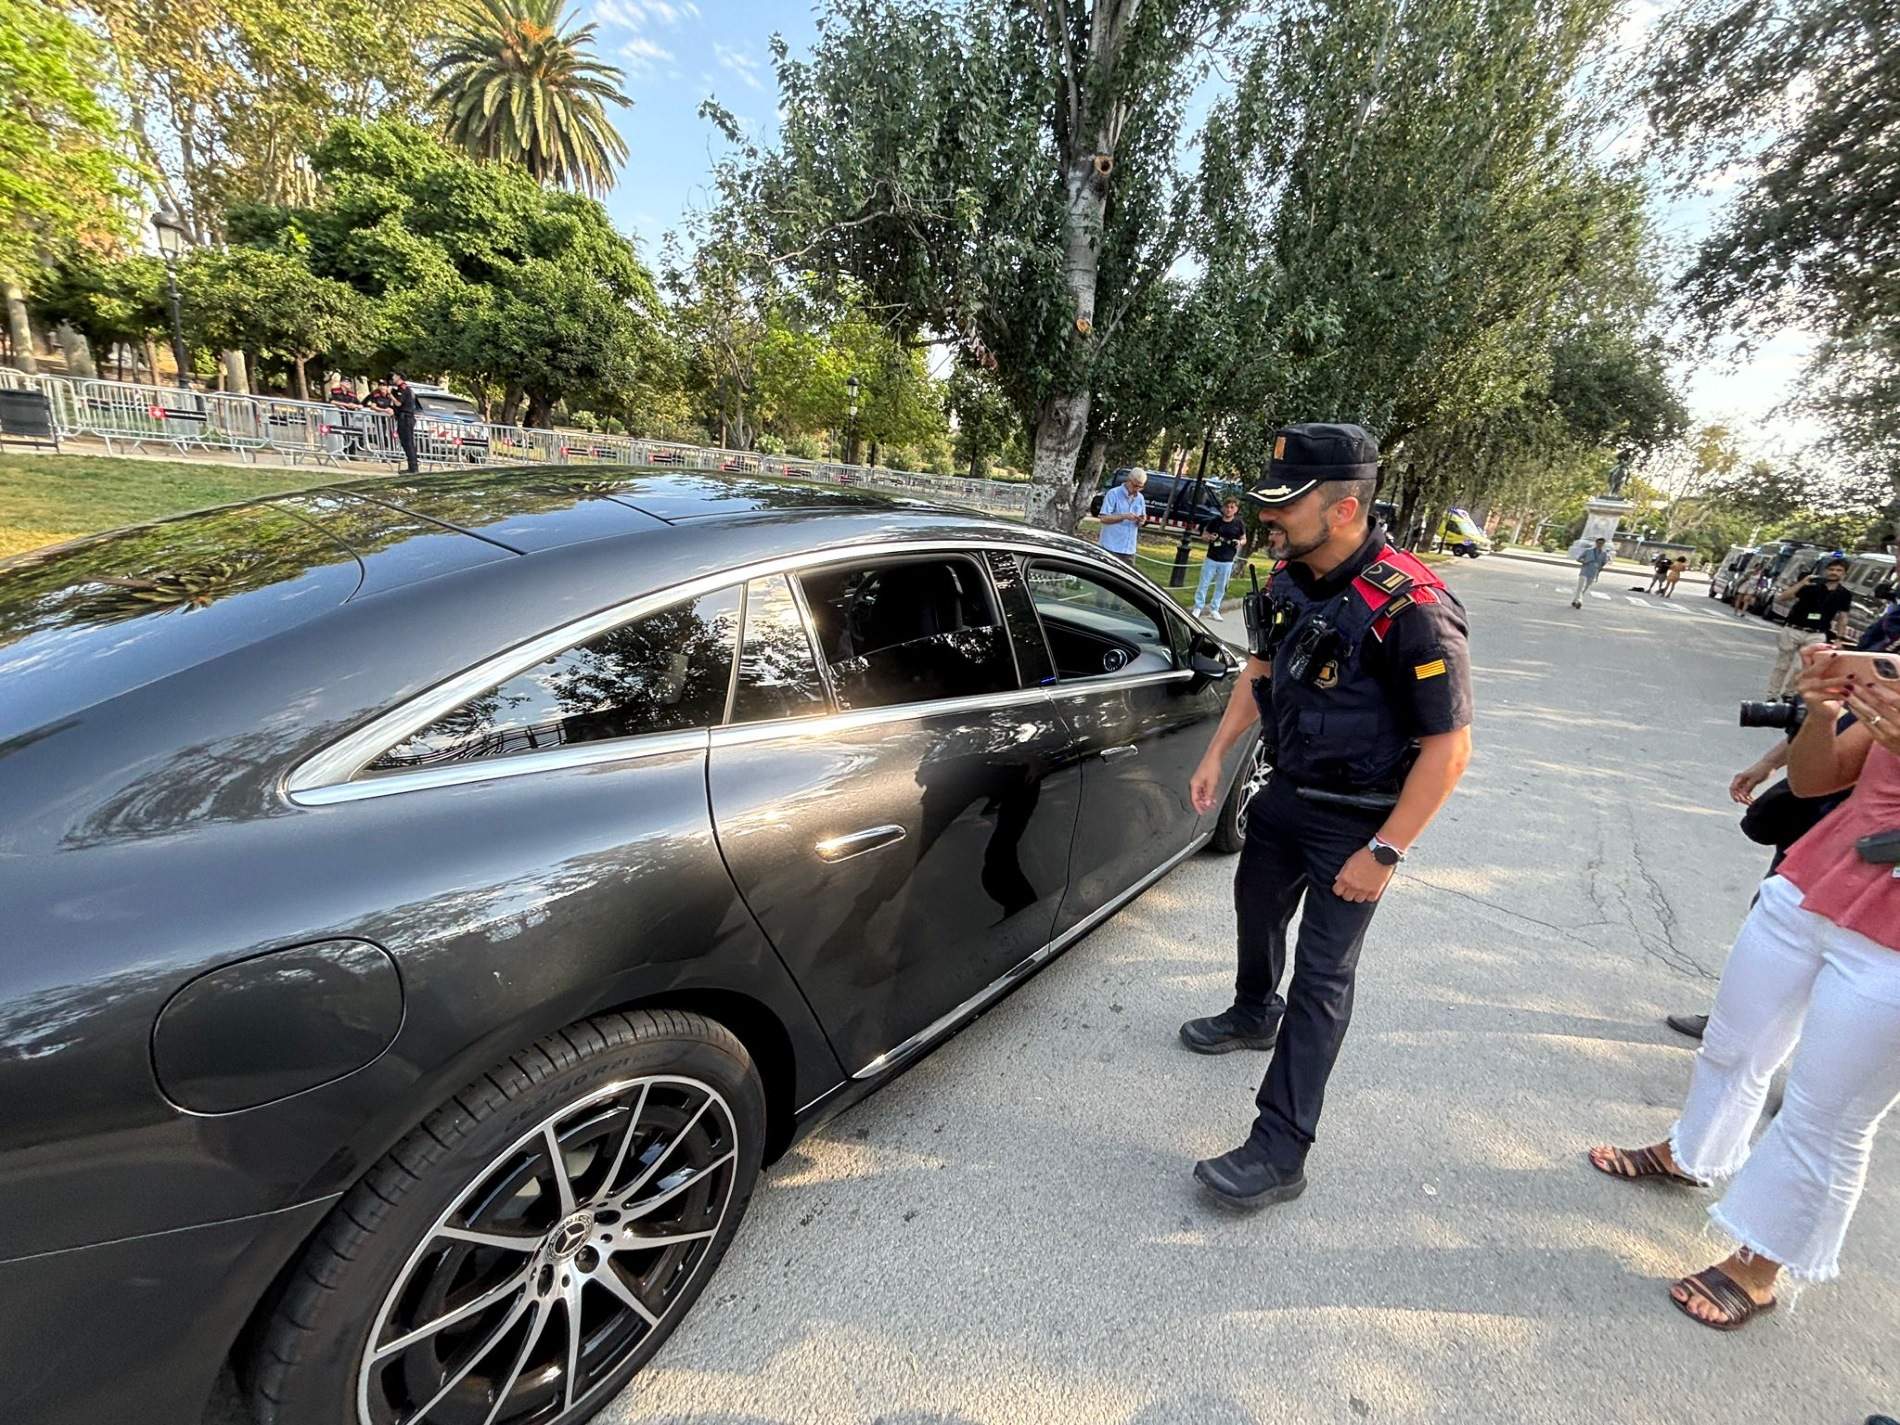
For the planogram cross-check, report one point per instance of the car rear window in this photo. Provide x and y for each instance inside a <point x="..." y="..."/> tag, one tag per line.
<point x="666" y="672"/>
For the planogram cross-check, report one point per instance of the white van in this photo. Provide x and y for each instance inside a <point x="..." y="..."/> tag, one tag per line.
<point x="1871" y="580"/>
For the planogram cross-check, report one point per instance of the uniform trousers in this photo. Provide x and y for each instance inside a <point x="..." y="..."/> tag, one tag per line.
<point x="1294" y="850"/>
<point x="406" y="434"/>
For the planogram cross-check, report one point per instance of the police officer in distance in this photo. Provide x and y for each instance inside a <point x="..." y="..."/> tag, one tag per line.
<point x="1359" y="680"/>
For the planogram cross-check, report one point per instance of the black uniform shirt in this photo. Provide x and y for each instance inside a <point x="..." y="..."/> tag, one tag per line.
<point x="1423" y="662"/>
<point x="405" y="401"/>
<point x="1815" y="607"/>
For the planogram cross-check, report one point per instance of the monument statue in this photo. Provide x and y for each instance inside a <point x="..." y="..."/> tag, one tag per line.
<point x="1619" y="472"/>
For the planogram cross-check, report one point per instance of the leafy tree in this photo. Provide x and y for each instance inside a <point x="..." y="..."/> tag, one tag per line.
<point x="110" y="300"/>
<point x="63" y="174"/>
<point x="518" y="87"/>
<point x="475" y="271"/>
<point x="986" y="421"/>
<point x="226" y="98"/>
<point x="1800" y="99"/>
<point x="1001" y="175"/>
<point x="253" y="300"/>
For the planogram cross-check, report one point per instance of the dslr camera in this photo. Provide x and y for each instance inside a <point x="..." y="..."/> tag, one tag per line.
<point x="1784" y="714"/>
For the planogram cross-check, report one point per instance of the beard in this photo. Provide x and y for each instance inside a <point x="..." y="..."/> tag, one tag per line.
<point x="1282" y="545"/>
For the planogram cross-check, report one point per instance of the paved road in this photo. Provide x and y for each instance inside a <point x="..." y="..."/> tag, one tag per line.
<point x="1010" y="1235"/>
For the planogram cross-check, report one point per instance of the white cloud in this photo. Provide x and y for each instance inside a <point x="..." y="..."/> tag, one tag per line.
<point x="643" y="58"/>
<point x="743" y="65"/>
<point x="639" y="14"/>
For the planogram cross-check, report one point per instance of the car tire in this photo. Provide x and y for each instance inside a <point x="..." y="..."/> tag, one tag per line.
<point x="1230" y="831"/>
<point x="554" y="1168"/>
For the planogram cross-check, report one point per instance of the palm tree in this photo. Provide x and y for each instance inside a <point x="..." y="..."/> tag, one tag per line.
<point x="515" y="86"/>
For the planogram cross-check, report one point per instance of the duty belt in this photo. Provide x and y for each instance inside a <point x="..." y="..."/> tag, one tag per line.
<point x="1363" y="801"/>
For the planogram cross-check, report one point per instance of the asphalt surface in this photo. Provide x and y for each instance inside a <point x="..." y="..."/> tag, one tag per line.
<point x="1010" y="1232"/>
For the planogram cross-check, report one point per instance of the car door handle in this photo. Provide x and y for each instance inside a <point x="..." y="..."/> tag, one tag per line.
<point x="856" y="843"/>
<point x="1109" y="754"/>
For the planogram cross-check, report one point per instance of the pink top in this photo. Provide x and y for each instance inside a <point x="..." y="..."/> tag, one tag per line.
<point x="1833" y="880"/>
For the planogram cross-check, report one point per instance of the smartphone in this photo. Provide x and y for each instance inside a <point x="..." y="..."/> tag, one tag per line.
<point x="1860" y="669"/>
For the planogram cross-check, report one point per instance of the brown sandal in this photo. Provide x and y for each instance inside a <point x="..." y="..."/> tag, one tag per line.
<point x="1726" y="1295"/>
<point x="1635" y="1163"/>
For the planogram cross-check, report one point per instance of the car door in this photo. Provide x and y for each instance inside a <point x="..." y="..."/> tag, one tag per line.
<point x="1140" y="718"/>
<point x="900" y="828"/>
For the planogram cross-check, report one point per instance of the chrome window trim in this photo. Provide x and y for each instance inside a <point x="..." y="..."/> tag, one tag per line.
<point x="456" y="774"/>
<point x="944" y="1023"/>
<point x="840" y="724"/>
<point x="322" y="778"/>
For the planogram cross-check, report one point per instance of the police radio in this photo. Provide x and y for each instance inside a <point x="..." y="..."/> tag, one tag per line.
<point x="1266" y="617"/>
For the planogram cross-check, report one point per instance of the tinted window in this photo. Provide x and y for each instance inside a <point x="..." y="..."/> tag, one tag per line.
<point x="906" y="631"/>
<point x="667" y="672"/>
<point x="1094" y="627"/>
<point x="778" y="672"/>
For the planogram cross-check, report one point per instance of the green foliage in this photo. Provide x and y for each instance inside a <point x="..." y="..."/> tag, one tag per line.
<point x="1002" y="175"/>
<point x="63" y="174"/>
<point x="254" y="300"/>
<point x="517" y="87"/>
<point x="475" y="271"/>
<point x="986" y="421"/>
<point x="226" y="98"/>
<point x="1801" y="98"/>
<point x="108" y="300"/>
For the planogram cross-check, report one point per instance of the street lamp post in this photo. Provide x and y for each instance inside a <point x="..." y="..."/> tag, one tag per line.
<point x="851" y="423"/>
<point x="171" y="241"/>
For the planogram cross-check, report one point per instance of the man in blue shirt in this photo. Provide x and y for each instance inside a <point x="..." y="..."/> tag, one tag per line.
<point x="1592" y="562"/>
<point x="1123" y="511"/>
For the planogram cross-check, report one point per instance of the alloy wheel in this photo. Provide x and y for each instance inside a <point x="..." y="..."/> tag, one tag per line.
<point x="557" y="1263"/>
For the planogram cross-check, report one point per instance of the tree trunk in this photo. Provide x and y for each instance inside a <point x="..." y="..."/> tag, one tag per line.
<point x="299" y="382"/>
<point x="875" y="447"/>
<point x="237" y="373"/>
<point x="1086" y="481"/>
<point x="20" y="331"/>
<point x="149" y="351"/>
<point x="78" y="352"/>
<point x="1063" y="418"/>
<point x="540" y="408"/>
<point x="510" y="404"/>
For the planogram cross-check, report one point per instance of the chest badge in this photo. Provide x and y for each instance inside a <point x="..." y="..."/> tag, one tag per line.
<point x="1328" y="676"/>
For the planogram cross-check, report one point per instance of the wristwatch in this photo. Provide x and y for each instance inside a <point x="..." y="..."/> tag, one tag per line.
<point x="1384" y="852"/>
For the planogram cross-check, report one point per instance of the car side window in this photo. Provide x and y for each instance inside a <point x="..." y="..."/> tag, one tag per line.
<point x="778" y="672"/>
<point x="909" y="631"/>
<point x="1097" y="628"/>
<point x="666" y="672"/>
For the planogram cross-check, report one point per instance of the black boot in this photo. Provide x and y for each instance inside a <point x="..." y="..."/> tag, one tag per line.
<point x="1245" y="1178"/>
<point x="1689" y="1024"/>
<point x="1227" y="1031"/>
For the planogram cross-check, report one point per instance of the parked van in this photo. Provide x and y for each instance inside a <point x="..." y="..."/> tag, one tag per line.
<point x="1461" y="534"/>
<point x="1871" y="579"/>
<point x="1728" y="572"/>
<point x="1764" y="568"/>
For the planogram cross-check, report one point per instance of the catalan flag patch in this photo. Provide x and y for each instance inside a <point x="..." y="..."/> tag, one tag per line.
<point x="1433" y="669"/>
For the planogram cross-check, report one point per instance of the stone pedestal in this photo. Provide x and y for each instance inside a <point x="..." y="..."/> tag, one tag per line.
<point x="1602" y="515"/>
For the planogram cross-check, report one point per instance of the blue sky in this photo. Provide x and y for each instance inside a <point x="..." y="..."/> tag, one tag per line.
<point x="677" y="53"/>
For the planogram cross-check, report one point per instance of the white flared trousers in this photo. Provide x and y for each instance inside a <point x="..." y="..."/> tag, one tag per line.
<point x="1793" y="976"/>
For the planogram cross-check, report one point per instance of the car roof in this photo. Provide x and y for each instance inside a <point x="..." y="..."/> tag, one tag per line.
<point x="85" y="621"/>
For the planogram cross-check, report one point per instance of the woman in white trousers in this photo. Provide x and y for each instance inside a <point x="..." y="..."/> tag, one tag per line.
<point x="1814" y="972"/>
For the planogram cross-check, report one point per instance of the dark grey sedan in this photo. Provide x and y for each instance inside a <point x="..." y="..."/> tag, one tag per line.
<point x="427" y="906"/>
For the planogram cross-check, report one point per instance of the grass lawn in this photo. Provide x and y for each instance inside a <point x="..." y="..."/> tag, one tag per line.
<point x="47" y="498"/>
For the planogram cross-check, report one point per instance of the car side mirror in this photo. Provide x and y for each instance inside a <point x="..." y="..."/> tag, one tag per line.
<point x="1207" y="661"/>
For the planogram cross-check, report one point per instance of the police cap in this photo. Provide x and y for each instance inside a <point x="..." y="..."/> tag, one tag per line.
<point x="1306" y="454"/>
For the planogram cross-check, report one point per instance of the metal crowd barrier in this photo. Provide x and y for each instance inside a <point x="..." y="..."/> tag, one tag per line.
<point x="134" y="416"/>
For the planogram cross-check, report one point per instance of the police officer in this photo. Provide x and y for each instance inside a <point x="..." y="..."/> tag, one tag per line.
<point x="404" y="404"/>
<point x="1359" y="680"/>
